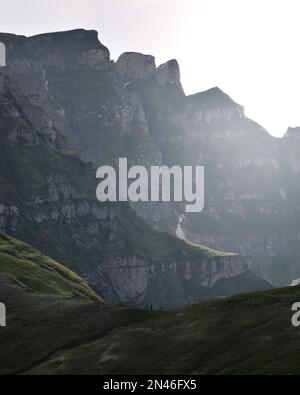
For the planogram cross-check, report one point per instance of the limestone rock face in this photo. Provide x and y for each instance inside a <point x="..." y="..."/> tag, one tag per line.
<point x="169" y="73"/>
<point x="213" y="104"/>
<point x="132" y="66"/>
<point x="293" y="133"/>
<point x="137" y="280"/>
<point x="94" y="59"/>
<point x="68" y="50"/>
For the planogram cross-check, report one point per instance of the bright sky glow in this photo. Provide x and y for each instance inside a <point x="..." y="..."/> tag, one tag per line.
<point x="248" y="48"/>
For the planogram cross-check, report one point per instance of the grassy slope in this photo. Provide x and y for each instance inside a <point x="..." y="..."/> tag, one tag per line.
<point x="56" y="324"/>
<point x="146" y="241"/>
<point x="249" y="334"/>
<point x="48" y="307"/>
<point x="39" y="273"/>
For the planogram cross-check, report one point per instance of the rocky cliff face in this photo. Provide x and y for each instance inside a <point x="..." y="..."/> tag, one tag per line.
<point x="132" y="108"/>
<point x="252" y="179"/>
<point x="47" y="193"/>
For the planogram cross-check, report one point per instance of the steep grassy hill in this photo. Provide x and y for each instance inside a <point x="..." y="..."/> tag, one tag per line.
<point x="57" y="325"/>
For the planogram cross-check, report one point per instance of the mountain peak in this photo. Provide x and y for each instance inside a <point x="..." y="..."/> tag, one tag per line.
<point x="61" y="48"/>
<point x="134" y="65"/>
<point x="292" y="132"/>
<point x="169" y="73"/>
<point x="214" y="98"/>
<point x="79" y="32"/>
<point x="76" y="38"/>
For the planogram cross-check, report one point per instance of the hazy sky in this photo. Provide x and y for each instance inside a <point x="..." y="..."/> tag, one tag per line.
<point x="249" y="48"/>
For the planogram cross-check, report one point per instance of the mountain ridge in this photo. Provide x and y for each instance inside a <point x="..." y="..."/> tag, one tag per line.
<point x="48" y="200"/>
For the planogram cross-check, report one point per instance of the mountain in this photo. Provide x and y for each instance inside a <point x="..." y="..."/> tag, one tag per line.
<point x="48" y="199"/>
<point x="132" y="108"/>
<point x="57" y="325"/>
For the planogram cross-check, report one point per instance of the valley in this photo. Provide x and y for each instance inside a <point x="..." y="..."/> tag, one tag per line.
<point x="57" y="325"/>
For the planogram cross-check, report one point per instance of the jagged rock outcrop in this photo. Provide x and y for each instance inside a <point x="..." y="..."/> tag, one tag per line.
<point x="169" y="73"/>
<point x="132" y="66"/>
<point x="212" y="105"/>
<point x="293" y="133"/>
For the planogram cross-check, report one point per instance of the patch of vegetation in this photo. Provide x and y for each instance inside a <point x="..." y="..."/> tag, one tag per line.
<point x="146" y="241"/>
<point x="39" y="273"/>
<point x="56" y="325"/>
